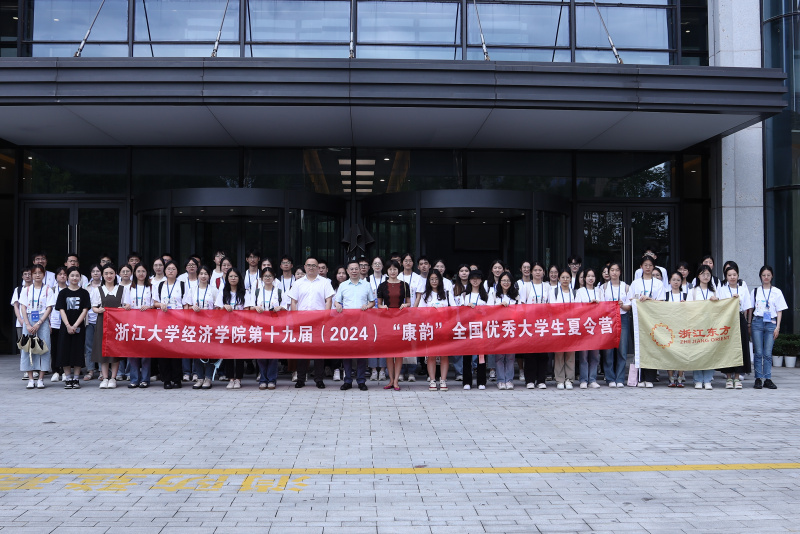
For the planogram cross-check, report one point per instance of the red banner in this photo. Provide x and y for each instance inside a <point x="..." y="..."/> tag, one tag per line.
<point x="361" y="334"/>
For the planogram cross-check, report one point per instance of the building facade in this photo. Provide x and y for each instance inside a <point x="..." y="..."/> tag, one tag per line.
<point x="316" y="116"/>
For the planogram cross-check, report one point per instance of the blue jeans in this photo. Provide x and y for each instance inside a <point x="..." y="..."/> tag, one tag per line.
<point x="203" y="370"/>
<point x="458" y="364"/>
<point x="87" y="348"/>
<point x="505" y="367"/>
<point x="704" y="377"/>
<point x="615" y="369"/>
<point x="124" y="367"/>
<point x="491" y="361"/>
<point x="269" y="371"/>
<point x="374" y="363"/>
<point x="589" y="360"/>
<point x="361" y="371"/>
<point x="186" y="366"/>
<point x="136" y="376"/>
<point x="762" y="346"/>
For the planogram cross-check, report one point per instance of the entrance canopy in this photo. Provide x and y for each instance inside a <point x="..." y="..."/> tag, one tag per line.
<point x="377" y="103"/>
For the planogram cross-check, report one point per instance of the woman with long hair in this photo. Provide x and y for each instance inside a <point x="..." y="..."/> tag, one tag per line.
<point x="393" y="293"/>
<point x="232" y="297"/>
<point x="435" y="297"/>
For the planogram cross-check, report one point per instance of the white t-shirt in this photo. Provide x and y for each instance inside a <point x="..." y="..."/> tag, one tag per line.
<point x="97" y="301"/>
<point x="538" y="293"/>
<point x="374" y="283"/>
<point x="14" y="299"/>
<point x="745" y="298"/>
<point x="91" y="317"/>
<point x="286" y="284"/>
<point x="310" y="294"/>
<point x="267" y="299"/>
<point x="559" y="296"/>
<point x="671" y="296"/>
<point x="496" y="299"/>
<point x="698" y="294"/>
<point x="216" y="276"/>
<point x="37" y="299"/>
<point x="588" y="295"/>
<point x="620" y="294"/>
<point x="435" y="302"/>
<point x="413" y="282"/>
<point x="664" y="276"/>
<point x="652" y="288"/>
<point x="234" y="301"/>
<point x="55" y="316"/>
<point x="771" y="299"/>
<point x="138" y="296"/>
<point x="204" y="298"/>
<point x="467" y="299"/>
<point x="171" y="294"/>
<point x="251" y="280"/>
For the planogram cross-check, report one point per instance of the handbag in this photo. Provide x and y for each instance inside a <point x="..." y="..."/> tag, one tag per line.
<point x="38" y="346"/>
<point x="633" y="376"/>
<point x="24" y="342"/>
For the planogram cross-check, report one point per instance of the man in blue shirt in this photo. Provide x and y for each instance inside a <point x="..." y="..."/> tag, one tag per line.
<point x="354" y="294"/>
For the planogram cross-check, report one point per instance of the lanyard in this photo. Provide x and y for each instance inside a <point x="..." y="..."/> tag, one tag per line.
<point x="535" y="294"/>
<point x="705" y="296"/>
<point x="477" y="297"/>
<point x="562" y="294"/>
<point x="37" y="300"/>
<point x="594" y="292"/>
<point x="169" y="291"/>
<point x="644" y="287"/>
<point x="270" y="297"/>
<point x="374" y="281"/>
<point x="205" y="294"/>
<point x="250" y="280"/>
<point x="283" y="283"/>
<point x="139" y="299"/>
<point x="672" y="296"/>
<point x="730" y="291"/>
<point x="619" y="291"/>
<point x="768" y="295"/>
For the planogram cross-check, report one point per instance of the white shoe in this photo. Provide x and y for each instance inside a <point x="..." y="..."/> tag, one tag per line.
<point x="568" y="384"/>
<point x="337" y="376"/>
<point x="648" y="384"/>
<point x="55" y="378"/>
<point x="294" y="377"/>
<point x="612" y="384"/>
<point x="481" y="387"/>
<point x="522" y="376"/>
<point x="381" y="376"/>
<point x="492" y="374"/>
<point x="640" y="385"/>
<point x="432" y="385"/>
<point x="530" y="385"/>
<point x="39" y="384"/>
<point x="104" y="384"/>
<point x="112" y="383"/>
<point x="35" y="375"/>
<point x="31" y="384"/>
<point x="620" y="384"/>
<point x="501" y="385"/>
<point x="583" y="385"/>
<point x="542" y="385"/>
<point x="560" y="385"/>
<point x="467" y="387"/>
<point x="442" y="385"/>
<point x="509" y="385"/>
<point x="230" y="384"/>
<point x="459" y="378"/>
<point x="708" y="385"/>
<point x="698" y="385"/>
<point x="594" y="385"/>
<point x="412" y="378"/>
<point x="374" y="375"/>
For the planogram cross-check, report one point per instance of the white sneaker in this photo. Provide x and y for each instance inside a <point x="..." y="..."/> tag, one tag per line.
<point x="459" y="378"/>
<point x="39" y="384"/>
<point x="374" y="375"/>
<point x="594" y="385"/>
<point x="530" y="385"/>
<point x="568" y="384"/>
<point x="583" y="385"/>
<point x="708" y="385"/>
<point x="412" y="378"/>
<point x="698" y="385"/>
<point x="492" y="374"/>
<point x="55" y="378"/>
<point x="560" y="385"/>
<point x="509" y="385"/>
<point x="381" y="376"/>
<point x="337" y="376"/>
<point x="640" y="385"/>
<point x="521" y="375"/>
<point x="542" y="385"/>
<point x="31" y="384"/>
<point x="501" y="385"/>
<point x="467" y="387"/>
<point x="481" y="387"/>
<point x="612" y="384"/>
<point x="442" y="385"/>
<point x="104" y="384"/>
<point x="432" y="385"/>
<point x="112" y="383"/>
<point x="648" y="384"/>
<point x="620" y="384"/>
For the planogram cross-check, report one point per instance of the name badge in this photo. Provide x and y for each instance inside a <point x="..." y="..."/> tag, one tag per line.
<point x="35" y="316"/>
<point x="767" y="317"/>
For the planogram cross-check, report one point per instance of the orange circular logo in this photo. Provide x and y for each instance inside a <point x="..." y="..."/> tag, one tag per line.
<point x="662" y="335"/>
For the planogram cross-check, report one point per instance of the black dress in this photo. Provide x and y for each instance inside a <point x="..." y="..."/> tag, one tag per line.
<point x="71" y="346"/>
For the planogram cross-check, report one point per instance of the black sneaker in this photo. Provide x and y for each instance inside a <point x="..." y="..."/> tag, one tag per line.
<point x="320" y="384"/>
<point x="346" y="386"/>
<point x="67" y="384"/>
<point x="76" y="384"/>
<point x="769" y="384"/>
<point x="363" y="387"/>
<point x="757" y="385"/>
<point x="299" y="384"/>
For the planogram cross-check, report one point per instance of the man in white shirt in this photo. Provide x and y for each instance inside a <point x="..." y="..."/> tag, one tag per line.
<point x="574" y="263"/>
<point x="354" y="294"/>
<point x="286" y="281"/>
<point x="40" y="258"/>
<point x="311" y="292"/>
<point x="72" y="260"/>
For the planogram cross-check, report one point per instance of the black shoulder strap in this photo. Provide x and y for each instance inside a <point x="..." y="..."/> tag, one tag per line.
<point x="160" y="287"/>
<point x="183" y="289"/>
<point x="755" y="290"/>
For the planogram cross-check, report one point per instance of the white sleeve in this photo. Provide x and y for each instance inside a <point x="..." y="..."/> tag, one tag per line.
<point x="51" y="298"/>
<point x="249" y="299"/>
<point x="23" y="297"/>
<point x="218" y="300"/>
<point x="94" y="297"/>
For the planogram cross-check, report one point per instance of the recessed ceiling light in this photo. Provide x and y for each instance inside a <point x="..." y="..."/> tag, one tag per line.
<point x="263" y="210"/>
<point x="55" y="20"/>
<point x="231" y="209"/>
<point x="692" y="171"/>
<point x="688" y="31"/>
<point x="386" y="159"/>
<point x="472" y="211"/>
<point x="180" y="212"/>
<point x="382" y="180"/>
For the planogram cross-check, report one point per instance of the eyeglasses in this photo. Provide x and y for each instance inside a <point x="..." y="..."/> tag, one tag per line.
<point x="312" y="266"/>
<point x="269" y="277"/>
<point x="574" y="264"/>
<point x="286" y="263"/>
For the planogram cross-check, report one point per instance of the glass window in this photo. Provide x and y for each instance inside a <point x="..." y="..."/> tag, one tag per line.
<point x="408" y="52"/>
<point x="519" y="24"/>
<point x="179" y="20"/>
<point x="298" y="20"/>
<point x="315" y="233"/>
<point x="381" y="171"/>
<point x="315" y="170"/>
<point x="409" y="22"/>
<point x="625" y="175"/>
<point x="783" y="246"/>
<point x="184" y="50"/>
<point x="296" y="50"/>
<point x="774" y="8"/>
<point x="8" y="29"/>
<point x="695" y="184"/>
<point x="638" y="2"/>
<point x="552" y="231"/>
<point x="68" y="50"/>
<point x="68" y="20"/>
<point x="525" y="171"/>
<point x="169" y="168"/>
<point x="8" y="170"/>
<point x="628" y="56"/>
<point x="694" y="34"/>
<point x="75" y="171"/>
<point x="521" y="54"/>
<point x="629" y="27"/>
<point x="394" y="231"/>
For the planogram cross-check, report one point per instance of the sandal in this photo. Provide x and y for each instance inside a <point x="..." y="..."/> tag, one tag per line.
<point x="397" y="388"/>
<point x="88" y="376"/>
<point x="388" y="386"/>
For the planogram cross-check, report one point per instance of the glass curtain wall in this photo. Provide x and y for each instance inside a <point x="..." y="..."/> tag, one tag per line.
<point x="644" y="31"/>
<point x="781" y="33"/>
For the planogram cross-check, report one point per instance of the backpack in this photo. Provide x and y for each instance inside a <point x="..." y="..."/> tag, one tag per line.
<point x="183" y="290"/>
<point x="279" y="295"/>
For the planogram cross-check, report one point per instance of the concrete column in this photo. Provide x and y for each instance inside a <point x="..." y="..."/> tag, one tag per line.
<point x="738" y="176"/>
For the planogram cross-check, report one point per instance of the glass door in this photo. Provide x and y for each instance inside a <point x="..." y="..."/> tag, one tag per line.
<point x="87" y="229"/>
<point x="623" y="233"/>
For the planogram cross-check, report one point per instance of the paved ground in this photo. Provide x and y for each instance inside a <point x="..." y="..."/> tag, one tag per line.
<point x="306" y="461"/>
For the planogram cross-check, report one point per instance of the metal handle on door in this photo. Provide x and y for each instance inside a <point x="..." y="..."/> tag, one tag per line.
<point x="77" y="238"/>
<point x="69" y="232"/>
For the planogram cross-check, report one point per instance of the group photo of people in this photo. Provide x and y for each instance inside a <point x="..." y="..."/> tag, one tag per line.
<point x="62" y="309"/>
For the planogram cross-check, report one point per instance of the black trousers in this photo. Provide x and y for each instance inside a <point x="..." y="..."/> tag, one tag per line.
<point x="536" y="368"/>
<point x="319" y="369"/>
<point x="170" y="370"/>
<point x="234" y="369"/>
<point x="466" y="376"/>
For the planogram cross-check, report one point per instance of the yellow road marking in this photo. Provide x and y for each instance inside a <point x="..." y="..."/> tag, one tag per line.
<point x="399" y="470"/>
